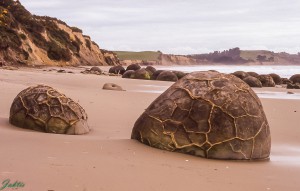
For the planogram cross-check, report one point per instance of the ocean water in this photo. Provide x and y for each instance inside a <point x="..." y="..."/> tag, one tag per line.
<point x="283" y="71"/>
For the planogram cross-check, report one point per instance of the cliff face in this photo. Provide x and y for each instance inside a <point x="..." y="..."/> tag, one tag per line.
<point x="33" y="40"/>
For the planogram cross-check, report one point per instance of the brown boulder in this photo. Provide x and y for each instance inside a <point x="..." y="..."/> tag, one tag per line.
<point x="128" y="74"/>
<point x="117" y="70"/>
<point x="276" y="78"/>
<point x="133" y="67"/>
<point x="253" y="82"/>
<point x="295" y="78"/>
<point x="240" y="74"/>
<point x="167" y="76"/>
<point x="266" y="80"/>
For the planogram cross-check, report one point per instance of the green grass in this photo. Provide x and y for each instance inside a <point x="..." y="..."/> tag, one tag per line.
<point x="252" y="54"/>
<point x="144" y="55"/>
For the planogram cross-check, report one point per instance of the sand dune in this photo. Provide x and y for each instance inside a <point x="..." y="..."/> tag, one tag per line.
<point x="106" y="158"/>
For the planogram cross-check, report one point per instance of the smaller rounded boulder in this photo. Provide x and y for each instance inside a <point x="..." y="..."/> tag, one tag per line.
<point x="42" y="108"/>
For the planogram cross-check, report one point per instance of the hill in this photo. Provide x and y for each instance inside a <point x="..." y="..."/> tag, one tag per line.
<point x="27" y="39"/>
<point x="231" y="56"/>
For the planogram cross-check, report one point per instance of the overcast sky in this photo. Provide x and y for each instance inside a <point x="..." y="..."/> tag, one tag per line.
<point x="181" y="26"/>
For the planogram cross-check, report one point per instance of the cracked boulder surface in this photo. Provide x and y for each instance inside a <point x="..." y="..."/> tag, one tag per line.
<point x="207" y="114"/>
<point x="42" y="108"/>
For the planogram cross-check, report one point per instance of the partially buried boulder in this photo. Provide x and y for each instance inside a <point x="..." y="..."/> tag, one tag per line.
<point x="112" y="86"/>
<point x="117" y="70"/>
<point x="167" y="76"/>
<point x="266" y="80"/>
<point x="207" y="114"/>
<point x="43" y="108"/>
<point x="253" y="82"/>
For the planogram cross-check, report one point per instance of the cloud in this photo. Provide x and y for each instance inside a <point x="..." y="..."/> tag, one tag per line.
<point x="176" y="26"/>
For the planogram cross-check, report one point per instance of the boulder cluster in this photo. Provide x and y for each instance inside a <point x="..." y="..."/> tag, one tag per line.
<point x="268" y="80"/>
<point x="253" y="79"/>
<point x="135" y="71"/>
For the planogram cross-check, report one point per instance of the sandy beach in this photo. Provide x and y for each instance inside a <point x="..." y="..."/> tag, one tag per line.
<point x="107" y="159"/>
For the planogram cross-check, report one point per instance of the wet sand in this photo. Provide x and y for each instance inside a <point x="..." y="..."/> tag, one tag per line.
<point x="106" y="158"/>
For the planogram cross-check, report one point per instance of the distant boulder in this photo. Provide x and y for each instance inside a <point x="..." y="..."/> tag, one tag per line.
<point x="151" y="69"/>
<point x="133" y="67"/>
<point x="276" y="78"/>
<point x="253" y="82"/>
<point x="266" y="80"/>
<point x="155" y="74"/>
<point x="286" y="81"/>
<point x="167" y="76"/>
<point x="142" y="74"/>
<point x="254" y="74"/>
<point x="179" y="74"/>
<point x="293" y="86"/>
<point x="295" y="78"/>
<point x="128" y="74"/>
<point x="96" y="70"/>
<point x="240" y="74"/>
<point x="117" y="70"/>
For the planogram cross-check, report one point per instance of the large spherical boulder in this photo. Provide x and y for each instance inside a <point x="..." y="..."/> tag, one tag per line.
<point x="207" y="114"/>
<point x="167" y="76"/>
<point x="266" y="80"/>
<point x="295" y="78"/>
<point x="43" y="108"/>
<point x="253" y="82"/>
<point x="117" y="70"/>
<point x="142" y="74"/>
<point x="240" y="74"/>
<point x="276" y="78"/>
<point x="133" y="67"/>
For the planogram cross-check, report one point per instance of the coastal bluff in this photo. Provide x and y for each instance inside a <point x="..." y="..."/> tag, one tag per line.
<point x="31" y="40"/>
